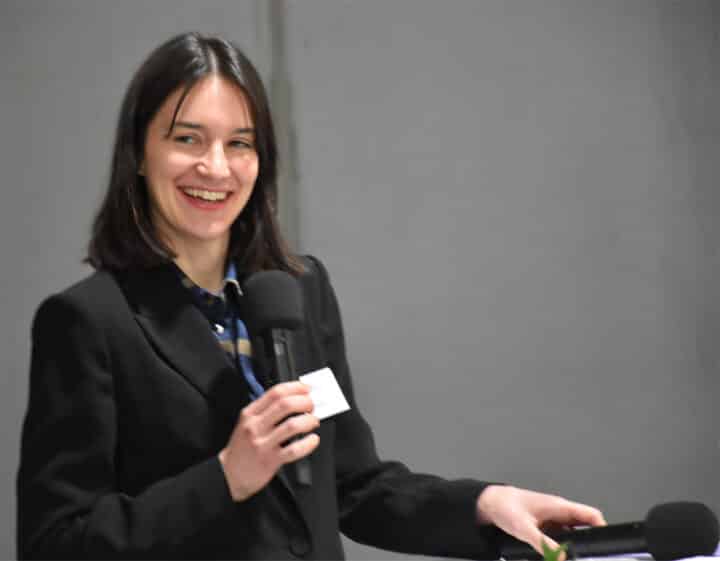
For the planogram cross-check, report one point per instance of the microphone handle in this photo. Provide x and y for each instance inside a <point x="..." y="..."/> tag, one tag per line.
<point x="586" y="542"/>
<point x="285" y="372"/>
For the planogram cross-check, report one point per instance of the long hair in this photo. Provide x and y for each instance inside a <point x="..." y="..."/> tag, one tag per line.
<point x="123" y="235"/>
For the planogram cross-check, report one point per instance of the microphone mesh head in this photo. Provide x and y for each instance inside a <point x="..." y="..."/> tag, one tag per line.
<point x="681" y="529"/>
<point x="273" y="300"/>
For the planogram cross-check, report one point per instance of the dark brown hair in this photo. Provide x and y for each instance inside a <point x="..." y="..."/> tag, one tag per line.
<point x="123" y="235"/>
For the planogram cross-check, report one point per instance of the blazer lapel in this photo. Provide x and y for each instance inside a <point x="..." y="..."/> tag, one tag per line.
<point x="181" y="334"/>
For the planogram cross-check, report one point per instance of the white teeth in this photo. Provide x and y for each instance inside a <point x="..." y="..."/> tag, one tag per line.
<point x="206" y="195"/>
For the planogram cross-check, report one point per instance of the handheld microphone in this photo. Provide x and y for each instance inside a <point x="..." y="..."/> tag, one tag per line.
<point x="669" y="531"/>
<point x="274" y="309"/>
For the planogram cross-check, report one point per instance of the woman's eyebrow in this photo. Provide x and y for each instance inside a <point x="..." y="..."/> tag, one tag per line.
<point x="198" y="126"/>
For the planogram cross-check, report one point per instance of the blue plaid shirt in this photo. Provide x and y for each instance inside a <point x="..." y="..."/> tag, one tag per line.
<point x="222" y="312"/>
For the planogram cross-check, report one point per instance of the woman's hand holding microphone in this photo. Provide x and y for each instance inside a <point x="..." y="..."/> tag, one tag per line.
<point x="261" y="441"/>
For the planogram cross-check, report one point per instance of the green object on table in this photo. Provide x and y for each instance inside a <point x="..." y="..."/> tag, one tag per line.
<point x="550" y="554"/>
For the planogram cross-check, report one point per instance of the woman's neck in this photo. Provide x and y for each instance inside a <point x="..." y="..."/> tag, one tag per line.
<point x="203" y="263"/>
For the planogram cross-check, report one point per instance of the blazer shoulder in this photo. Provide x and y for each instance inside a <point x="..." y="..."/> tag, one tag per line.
<point x="315" y="280"/>
<point x="98" y="283"/>
<point x="315" y="270"/>
<point x="320" y="296"/>
<point x="97" y="296"/>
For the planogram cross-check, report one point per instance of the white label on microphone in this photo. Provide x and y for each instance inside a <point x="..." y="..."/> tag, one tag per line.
<point x="325" y="393"/>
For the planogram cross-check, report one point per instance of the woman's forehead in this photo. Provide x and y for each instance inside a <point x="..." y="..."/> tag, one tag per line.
<point x="211" y="101"/>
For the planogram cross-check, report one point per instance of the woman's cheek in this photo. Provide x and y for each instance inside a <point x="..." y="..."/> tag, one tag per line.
<point x="177" y="163"/>
<point x="248" y="165"/>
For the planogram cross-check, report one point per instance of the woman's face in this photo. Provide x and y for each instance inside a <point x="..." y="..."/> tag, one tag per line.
<point x="200" y="177"/>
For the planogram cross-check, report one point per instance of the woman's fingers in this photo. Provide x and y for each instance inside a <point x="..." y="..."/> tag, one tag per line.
<point x="589" y="515"/>
<point x="283" y="408"/>
<point x="299" y="448"/>
<point x="278" y="391"/>
<point x="293" y="426"/>
<point x="278" y="403"/>
<point x="569" y="513"/>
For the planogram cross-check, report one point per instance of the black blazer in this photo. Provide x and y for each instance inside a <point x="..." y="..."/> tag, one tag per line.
<point x="131" y="399"/>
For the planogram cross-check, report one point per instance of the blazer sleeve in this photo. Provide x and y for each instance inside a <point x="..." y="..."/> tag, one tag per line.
<point x="383" y="503"/>
<point x="68" y="502"/>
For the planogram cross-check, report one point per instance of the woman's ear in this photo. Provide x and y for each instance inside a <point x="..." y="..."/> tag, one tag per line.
<point x="141" y="169"/>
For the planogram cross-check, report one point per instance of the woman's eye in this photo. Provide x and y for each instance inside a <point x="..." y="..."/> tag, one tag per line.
<point x="185" y="139"/>
<point x="241" y="144"/>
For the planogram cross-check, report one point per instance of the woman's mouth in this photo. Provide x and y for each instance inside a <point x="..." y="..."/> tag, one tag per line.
<point x="205" y="198"/>
<point x="205" y="195"/>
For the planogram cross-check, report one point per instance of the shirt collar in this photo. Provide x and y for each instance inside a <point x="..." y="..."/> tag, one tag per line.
<point x="230" y="282"/>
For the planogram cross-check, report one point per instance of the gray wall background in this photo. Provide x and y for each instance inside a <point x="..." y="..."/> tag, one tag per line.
<point x="515" y="196"/>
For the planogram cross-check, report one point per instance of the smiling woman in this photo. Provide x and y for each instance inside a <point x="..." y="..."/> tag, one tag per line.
<point x="149" y="434"/>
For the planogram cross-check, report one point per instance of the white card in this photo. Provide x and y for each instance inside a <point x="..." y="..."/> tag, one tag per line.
<point x="325" y="393"/>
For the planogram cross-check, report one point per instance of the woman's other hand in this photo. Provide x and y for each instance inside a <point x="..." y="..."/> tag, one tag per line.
<point x="524" y="514"/>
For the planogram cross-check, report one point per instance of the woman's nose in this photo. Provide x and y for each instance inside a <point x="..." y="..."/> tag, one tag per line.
<point x="215" y="163"/>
